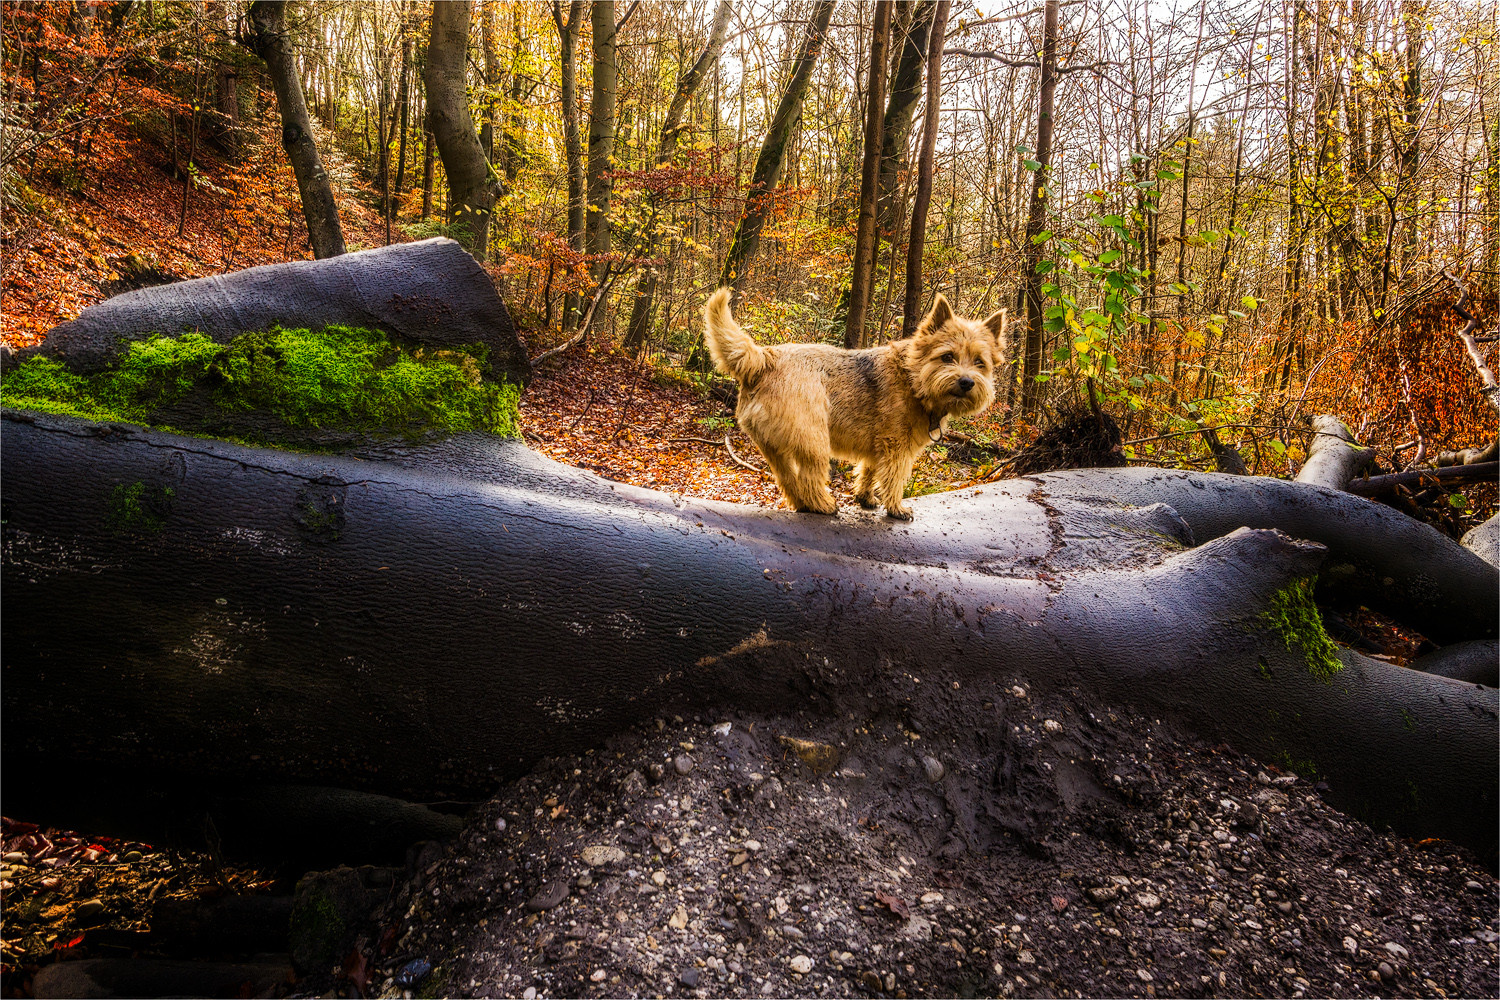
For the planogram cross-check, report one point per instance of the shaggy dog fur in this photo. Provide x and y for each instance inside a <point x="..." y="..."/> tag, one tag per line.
<point x="880" y="407"/>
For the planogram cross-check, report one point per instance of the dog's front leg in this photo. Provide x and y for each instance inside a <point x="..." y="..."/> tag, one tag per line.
<point x="892" y="477"/>
<point x="865" y="486"/>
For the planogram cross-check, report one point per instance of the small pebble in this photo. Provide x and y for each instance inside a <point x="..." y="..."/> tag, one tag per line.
<point x="1018" y="691"/>
<point x="1148" y="900"/>
<point x="678" y="919"/>
<point x="549" y="897"/>
<point x="932" y="897"/>
<point x="1396" y="950"/>
<point x="14" y="858"/>
<point x="802" y="964"/>
<point x="599" y="855"/>
<point x="659" y="877"/>
<point x="722" y="729"/>
<point x="1052" y="725"/>
<point x="597" y="976"/>
<point x="934" y="769"/>
<point x="529" y="994"/>
<point x="89" y="908"/>
<point x="683" y="764"/>
<point x="1351" y="946"/>
<point x="752" y="845"/>
<point x="585" y="880"/>
<point x="500" y="824"/>
<point x="1386" y="972"/>
<point x="412" y="973"/>
<point x="689" y="978"/>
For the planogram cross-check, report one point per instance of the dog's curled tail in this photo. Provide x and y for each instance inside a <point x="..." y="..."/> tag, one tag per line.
<point x="734" y="353"/>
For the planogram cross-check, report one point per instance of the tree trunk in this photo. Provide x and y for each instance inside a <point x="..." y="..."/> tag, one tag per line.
<point x="895" y="128"/>
<point x="471" y="189"/>
<point x="265" y="632"/>
<point x="1333" y="457"/>
<point x="671" y="130"/>
<point x="1036" y="216"/>
<point x="403" y="98"/>
<point x="601" y="134"/>
<point x="274" y="46"/>
<point x="917" y="241"/>
<point x="865" y="237"/>
<point x="567" y="33"/>
<point x="767" y="172"/>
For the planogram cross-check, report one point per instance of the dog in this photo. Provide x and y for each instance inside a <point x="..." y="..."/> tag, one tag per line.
<point x="880" y="407"/>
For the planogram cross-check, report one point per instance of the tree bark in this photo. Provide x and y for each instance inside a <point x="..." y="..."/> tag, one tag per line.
<point x="1036" y="216"/>
<point x="671" y="131"/>
<point x="1333" y="457"/>
<point x="900" y="107"/>
<point x="601" y="134"/>
<point x="767" y="172"/>
<point x="917" y="241"/>
<point x="471" y="187"/>
<point x="866" y="239"/>
<point x="429" y="293"/>
<point x="265" y="632"/>
<point x="567" y="34"/>
<point x="274" y="46"/>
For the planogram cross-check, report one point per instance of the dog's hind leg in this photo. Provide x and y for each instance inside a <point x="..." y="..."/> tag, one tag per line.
<point x="864" y="486"/>
<point x="796" y="488"/>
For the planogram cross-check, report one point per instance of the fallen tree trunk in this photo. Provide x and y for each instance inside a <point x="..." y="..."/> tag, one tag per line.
<point x="1333" y="457"/>
<point x="1377" y="556"/>
<point x="1376" y="485"/>
<point x="425" y="620"/>
<point x="430" y="293"/>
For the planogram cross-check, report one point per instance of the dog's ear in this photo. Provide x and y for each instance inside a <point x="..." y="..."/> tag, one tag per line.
<point x="997" y="323"/>
<point x="939" y="314"/>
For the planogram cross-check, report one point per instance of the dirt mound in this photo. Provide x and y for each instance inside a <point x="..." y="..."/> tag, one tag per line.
<point x="1027" y="848"/>
<point x="1078" y="438"/>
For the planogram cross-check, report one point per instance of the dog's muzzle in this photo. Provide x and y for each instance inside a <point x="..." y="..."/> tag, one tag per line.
<point x="964" y="385"/>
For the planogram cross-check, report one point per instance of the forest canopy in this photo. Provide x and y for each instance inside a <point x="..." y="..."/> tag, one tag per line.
<point x="1235" y="214"/>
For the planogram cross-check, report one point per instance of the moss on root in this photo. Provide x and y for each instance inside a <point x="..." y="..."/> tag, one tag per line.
<point x="336" y="378"/>
<point x="1294" y="617"/>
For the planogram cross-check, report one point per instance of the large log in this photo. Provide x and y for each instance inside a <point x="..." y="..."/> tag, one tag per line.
<point x="425" y="620"/>
<point x="431" y="293"/>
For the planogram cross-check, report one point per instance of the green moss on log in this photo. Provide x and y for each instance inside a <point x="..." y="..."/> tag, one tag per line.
<point x="1294" y="617"/>
<point x="339" y="378"/>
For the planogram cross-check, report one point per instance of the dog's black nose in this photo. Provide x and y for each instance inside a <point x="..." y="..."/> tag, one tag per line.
<point x="965" y="384"/>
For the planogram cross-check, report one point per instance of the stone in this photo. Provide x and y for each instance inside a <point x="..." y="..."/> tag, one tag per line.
<point x="1148" y="900"/>
<point x="529" y="993"/>
<point x="500" y="824"/>
<point x="329" y="909"/>
<point x="1018" y="691"/>
<point x="1052" y="725"/>
<point x="1396" y="950"/>
<point x="689" y="978"/>
<point x="130" y="857"/>
<point x="821" y="757"/>
<point x="679" y="918"/>
<point x="752" y="845"/>
<point x="1351" y="947"/>
<point x="1386" y="972"/>
<point x="1103" y="893"/>
<point x="585" y="880"/>
<point x="597" y="976"/>
<point x="871" y="981"/>
<point x="89" y="908"/>
<point x="14" y="858"/>
<point x="801" y="964"/>
<point x="600" y="855"/>
<point x="682" y="764"/>
<point x="932" y="897"/>
<point x="933" y="768"/>
<point x="549" y="896"/>
<point x="659" y="877"/>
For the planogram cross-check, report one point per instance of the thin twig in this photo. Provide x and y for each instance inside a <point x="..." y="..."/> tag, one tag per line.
<point x="730" y="448"/>
<point x="713" y="441"/>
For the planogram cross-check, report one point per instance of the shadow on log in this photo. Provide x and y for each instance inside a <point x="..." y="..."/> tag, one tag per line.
<point x="424" y="621"/>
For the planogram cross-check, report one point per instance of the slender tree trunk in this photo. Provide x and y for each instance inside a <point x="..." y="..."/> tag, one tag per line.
<point x="768" y="164"/>
<point x="567" y="33"/>
<point x="601" y="134"/>
<point x="916" y="242"/>
<point x="865" y="238"/>
<point x="489" y="45"/>
<point x="895" y="129"/>
<point x="429" y="147"/>
<point x="403" y="98"/>
<point x="272" y="44"/>
<point x="471" y="190"/>
<point x="1036" y="216"/>
<point x="671" y="130"/>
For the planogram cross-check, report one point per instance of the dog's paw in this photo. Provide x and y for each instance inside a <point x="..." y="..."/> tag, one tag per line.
<point x="901" y="513"/>
<point x="868" y="503"/>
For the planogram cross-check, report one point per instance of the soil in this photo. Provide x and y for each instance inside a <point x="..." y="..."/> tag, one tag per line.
<point x="1007" y="848"/>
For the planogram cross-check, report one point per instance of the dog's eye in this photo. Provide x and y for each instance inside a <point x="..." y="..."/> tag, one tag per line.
<point x="980" y="363"/>
<point x="949" y="358"/>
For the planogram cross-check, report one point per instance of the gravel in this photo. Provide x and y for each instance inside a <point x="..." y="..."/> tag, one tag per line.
<point x="808" y="856"/>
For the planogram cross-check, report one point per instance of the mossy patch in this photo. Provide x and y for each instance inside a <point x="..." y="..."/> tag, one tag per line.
<point x="1294" y="617"/>
<point x="339" y="378"/>
<point x="136" y="507"/>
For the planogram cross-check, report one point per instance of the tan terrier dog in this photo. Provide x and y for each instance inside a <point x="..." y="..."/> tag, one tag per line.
<point x="880" y="407"/>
